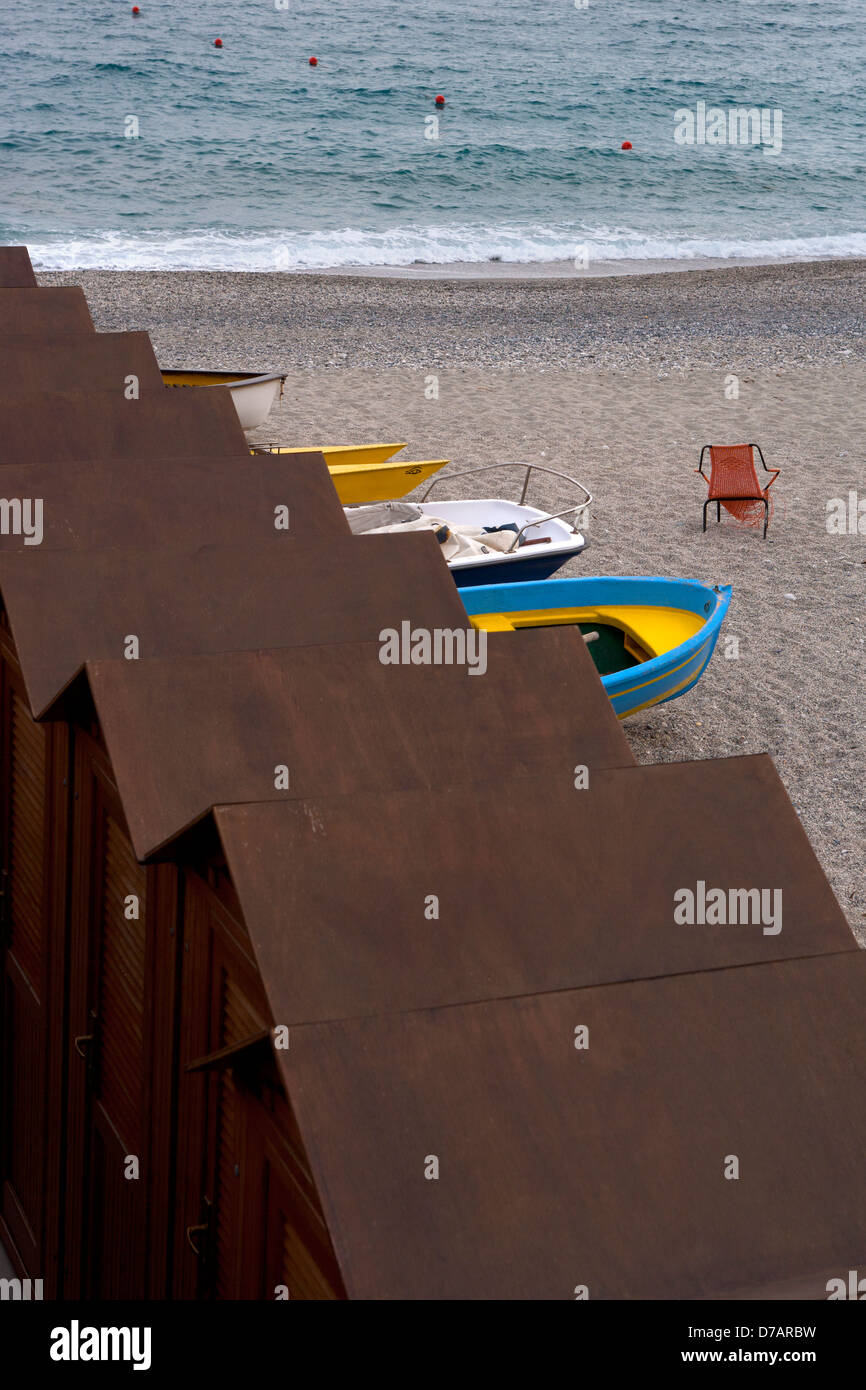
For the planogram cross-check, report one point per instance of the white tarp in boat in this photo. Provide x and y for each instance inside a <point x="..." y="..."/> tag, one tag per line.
<point x="456" y="541"/>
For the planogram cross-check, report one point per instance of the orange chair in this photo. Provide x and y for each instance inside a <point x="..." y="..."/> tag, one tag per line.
<point x="734" y="483"/>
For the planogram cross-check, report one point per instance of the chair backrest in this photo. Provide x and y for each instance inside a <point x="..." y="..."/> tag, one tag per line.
<point x="733" y="472"/>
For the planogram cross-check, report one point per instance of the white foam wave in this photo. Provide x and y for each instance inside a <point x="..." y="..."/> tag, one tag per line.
<point x="405" y="246"/>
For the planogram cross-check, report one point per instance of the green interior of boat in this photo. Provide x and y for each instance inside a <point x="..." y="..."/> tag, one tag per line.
<point x="611" y="650"/>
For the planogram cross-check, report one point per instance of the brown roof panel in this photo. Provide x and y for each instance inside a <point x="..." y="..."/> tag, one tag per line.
<point x="602" y="1167"/>
<point x="65" y="425"/>
<point x="174" y="502"/>
<point x="46" y="314"/>
<point x="16" y="272"/>
<point x="540" y="886"/>
<point x="190" y="732"/>
<point x="77" y="362"/>
<point x="68" y="607"/>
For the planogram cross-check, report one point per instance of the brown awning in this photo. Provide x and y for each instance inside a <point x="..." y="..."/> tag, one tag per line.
<point x="175" y="502"/>
<point x="44" y="314"/>
<point x="602" y="1167"/>
<point x="65" y="425"/>
<point x="76" y="362"/>
<point x="186" y="734"/>
<point x="16" y="272"/>
<point x="68" y="607"/>
<point x="540" y="886"/>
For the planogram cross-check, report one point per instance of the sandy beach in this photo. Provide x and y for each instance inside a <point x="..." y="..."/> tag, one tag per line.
<point x="619" y="381"/>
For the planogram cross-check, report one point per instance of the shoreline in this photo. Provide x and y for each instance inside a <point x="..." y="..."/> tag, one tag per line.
<point x="490" y="269"/>
<point x="560" y="270"/>
<point x="732" y="318"/>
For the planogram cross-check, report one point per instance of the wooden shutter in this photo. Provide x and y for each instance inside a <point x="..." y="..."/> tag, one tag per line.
<point x="295" y="1248"/>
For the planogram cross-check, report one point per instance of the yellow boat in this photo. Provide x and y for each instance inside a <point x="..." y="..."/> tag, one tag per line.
<point x="358" y="455"/>
<point x="365" y="472"/>
<point x="650" y="639"/>
<point x="356" y="485"/>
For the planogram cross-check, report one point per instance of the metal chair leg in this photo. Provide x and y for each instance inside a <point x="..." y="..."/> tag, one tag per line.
<point x="704" y="527"/>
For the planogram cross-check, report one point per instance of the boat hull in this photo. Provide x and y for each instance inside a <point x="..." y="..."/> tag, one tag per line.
<point x="356" y="455"/>
<point x="553" y="540"/>
<point x="357" y="484"/>
<point x="651" y="613"/>
<point x="516" y="570"/>
<point x="253" y="396"/>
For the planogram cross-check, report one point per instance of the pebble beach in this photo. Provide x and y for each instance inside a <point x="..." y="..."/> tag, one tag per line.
<point x="618" y="381"/>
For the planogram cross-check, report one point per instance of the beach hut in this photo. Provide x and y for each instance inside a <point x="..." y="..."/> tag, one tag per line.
<point x="127" y="923"/>
<point x="201" y="934"/>
<point x="47" y="314"/>
<point x="16" y="272"/>
<point x="92" y="958"/>
<point x="69" y="426"/>
<point x="75" y="1225"/>
<point x="88" y="505"/>
<point x="30" y="364"/>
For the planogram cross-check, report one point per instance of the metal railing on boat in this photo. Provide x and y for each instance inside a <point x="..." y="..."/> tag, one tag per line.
<point x="530" y="469"/>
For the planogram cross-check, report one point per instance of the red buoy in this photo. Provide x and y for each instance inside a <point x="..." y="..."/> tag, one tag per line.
<point x="217" y="43"/>
<point x="440" y="100"/>
<point x="136" y="10"/>
<point x="626" y="145"/>
<point x="314" y="62"/>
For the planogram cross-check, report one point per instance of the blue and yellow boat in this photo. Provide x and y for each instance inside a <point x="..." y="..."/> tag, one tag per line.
<point x="651" y="639"/>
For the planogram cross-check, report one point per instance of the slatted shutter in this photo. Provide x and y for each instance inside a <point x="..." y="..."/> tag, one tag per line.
<point x="236" y="1020"/>
<point x="295" y="1249"/>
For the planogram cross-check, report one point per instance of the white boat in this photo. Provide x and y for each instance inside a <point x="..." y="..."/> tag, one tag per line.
<point x="486" y="540"/>
<point x="253" y="396"/>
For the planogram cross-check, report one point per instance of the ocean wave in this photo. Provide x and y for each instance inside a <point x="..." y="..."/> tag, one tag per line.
<point x="404" y="246"/>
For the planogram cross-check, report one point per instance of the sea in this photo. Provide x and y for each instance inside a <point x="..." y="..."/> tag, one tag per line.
<point x="133" y="141"/>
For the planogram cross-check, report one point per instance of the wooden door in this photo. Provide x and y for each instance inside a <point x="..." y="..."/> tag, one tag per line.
<point x="32" y="868"/>
<point x="248" y="1217"/>
<point x="221" y="1006"/>
<point x="288" y="1249"/>
<point x="109" y="1045"/>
